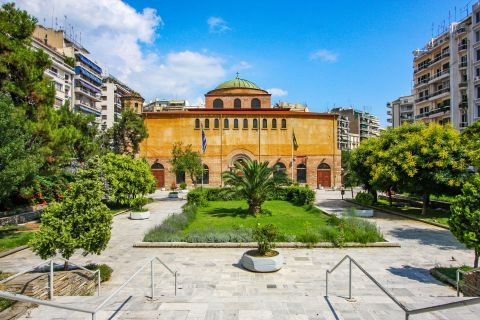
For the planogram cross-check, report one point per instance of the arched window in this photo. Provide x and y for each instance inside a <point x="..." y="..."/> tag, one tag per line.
<point x="206" y="175"/>
<point x="157" y="166"/>
<point x="255" y="124"/>
<point x="216" y="123"/>
<point x="323" y="166"/>
<point x="301" y="173"/>
<point x="197" y="123"/>
<point x="255" y="104"/>
<point x="245" y="123"/>
<point x="235" y="123"/>
<point x="280" y="168"/>
<point x="218" y="104"/>
<point x="284" y="124"/>
<point x="207" y="124"/>
<point x="237" y="103"/>
<point x="225" y="123"/>
<point x="264" y="124"/>
<point x="274" y="123"/>
<point x="180" y="177"/>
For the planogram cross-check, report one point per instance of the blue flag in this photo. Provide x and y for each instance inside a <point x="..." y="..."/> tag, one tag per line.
<point x="204" y="141"/>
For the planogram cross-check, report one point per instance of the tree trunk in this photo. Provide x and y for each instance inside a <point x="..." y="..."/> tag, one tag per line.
<point x="475" y="263"/>
<point x="426" y="203"/>
<point x="65" y="265"/>
<point x="390" y="200"/>
<point x="373" y="192"/>
<point x="351" y="189"/>
<point x="254" y="208"/>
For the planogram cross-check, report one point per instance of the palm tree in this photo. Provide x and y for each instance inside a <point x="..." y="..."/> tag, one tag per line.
<point x="254" y="181"/>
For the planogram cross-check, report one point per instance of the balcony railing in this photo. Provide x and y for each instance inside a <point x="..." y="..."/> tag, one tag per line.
<point x="422" y="99"/>
<point x="439" y="74"/>
<point x="438" y="110"/>
<point x="463" y="104"/>
<point x="462" y="46"/>
<point x="463" y="64"/>
<point x="439" y="92"/>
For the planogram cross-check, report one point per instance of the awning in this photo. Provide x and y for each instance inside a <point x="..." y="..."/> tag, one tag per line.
<point x="89" y="75"/>
<point x="89" y="86"/>
<point x="89" y="63"/>
<point x="88" y="110"/>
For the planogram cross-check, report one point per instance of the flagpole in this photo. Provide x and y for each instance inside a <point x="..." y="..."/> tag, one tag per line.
<point x="292" y="152"/>
<point x="203" y="152"/>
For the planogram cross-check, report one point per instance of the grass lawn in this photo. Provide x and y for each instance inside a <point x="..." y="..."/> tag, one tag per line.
<point x="15" y="236"/>
<point x="5" y="303"/>
<point x="438" y="216"/>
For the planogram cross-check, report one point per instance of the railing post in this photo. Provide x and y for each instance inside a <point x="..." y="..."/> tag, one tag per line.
<point x="152" y="279"/>
<point x="458" y="283"/>
<point x="93" y="316"/>
<point x="99" y="280"/>
<point x="50" y="280"/>
<point x="350" y="279"/>
<point x="407" y="315"/>
<point x="326" y="283"/>
<point x="175" y="283"/>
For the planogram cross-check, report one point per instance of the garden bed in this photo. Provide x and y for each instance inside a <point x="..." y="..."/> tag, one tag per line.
<point x="13" y="236"/>
<point x="230" y="222"/>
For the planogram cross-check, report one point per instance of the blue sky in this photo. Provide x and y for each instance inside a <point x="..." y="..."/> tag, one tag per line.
<point x="322" y="53"/>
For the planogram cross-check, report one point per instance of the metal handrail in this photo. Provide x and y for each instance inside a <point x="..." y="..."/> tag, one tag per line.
<point x="407" y="310"/>
<point x="93" y="312"/>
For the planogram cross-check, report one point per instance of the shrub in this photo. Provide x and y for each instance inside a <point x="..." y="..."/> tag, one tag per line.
<point x="183" y="186"/>
<point x="364" y="198"/>
<point x="265" y="237"/>
<point x="105" y="270"/>
<point x="138" y="203"/>
<point x="310" y="237"/>
<point x="300" y="195"/>
<point x="197" y="196"/>
<point x="213" y="235"/>
<point x="170" y="229"/>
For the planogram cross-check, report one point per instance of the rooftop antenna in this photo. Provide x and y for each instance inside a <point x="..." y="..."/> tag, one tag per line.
<point x="64" y="22"/>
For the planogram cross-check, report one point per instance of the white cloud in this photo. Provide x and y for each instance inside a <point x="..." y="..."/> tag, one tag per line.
<point x="242" y="65"/>
<point x="217" y="25"/>
<point x="122" y="39"/>
<point x="277" y="92"/>
<point x="324" y="55"/>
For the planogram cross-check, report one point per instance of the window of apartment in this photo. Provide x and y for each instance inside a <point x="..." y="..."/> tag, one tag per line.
<point x="216" y="123"/>
<point x="104" y="117"/>
<point x="477" y="17"/>
<point x="264" y="124"/>
<point x="445" y="50"/>
<point x="225" y="123"/>
<point x="207" y="124"/>
<point x="58" y="86"/>
<point x="478" y="91"/>
<point x="54" y="70"/>
<point x="446" y="66"/>
<point x="477" y="72"/>
<point x="478" y="56"/>
<point x="478" y="111"/>
<point x="104" y="107"/>
<point x="197" y="123"/>
<point x="284" y="124"/>
<point x="274" y="123"/>
<point x="104" y="98"/>
<point x="464" y="117"/>
<point x="245" y="123"/>
<point x="235" y="123"/>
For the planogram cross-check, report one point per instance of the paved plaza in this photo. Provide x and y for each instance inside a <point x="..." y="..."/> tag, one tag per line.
<point x="213" y="286"/>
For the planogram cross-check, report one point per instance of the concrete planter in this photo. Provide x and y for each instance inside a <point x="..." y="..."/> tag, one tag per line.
<point x="139" y="215"/>
<point x="366" y="213"/>
<point x="261" y="264"/>
<point x="173" y="195"/>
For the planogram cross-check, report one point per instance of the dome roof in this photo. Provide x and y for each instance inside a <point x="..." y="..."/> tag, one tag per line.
<point x="237" y="83"/>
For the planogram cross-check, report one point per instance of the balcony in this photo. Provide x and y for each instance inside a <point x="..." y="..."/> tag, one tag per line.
<point x="422" y="82"/>
<point x="424" y="98"/>
<point x="439" y="75"/>
<point x="443" y="109"/>
<point x="389" y="120"/>
<point x="88" y="93"/>
<point x="463" y="84"/>
<point x="439" y="58"/>
<point x="389" y="112"/>
<point x="463" y="125"/>
<point x="439" y="92"/>
<point x="87" y="107"/>
<point x="463" y="104"/>
<point x="462" y="65"/>
<point x="421" y="115"/>
<point x="462" y="46"/>
<point x="461" y="29"/>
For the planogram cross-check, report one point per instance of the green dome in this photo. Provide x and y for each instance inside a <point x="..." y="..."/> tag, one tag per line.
<point x="237" y="83"/>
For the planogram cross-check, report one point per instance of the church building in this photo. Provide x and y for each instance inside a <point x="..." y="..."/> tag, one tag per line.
<point x="239" y="124"/>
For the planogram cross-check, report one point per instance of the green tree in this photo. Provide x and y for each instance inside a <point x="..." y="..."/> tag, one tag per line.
<point x="470" y="138"/>
<point x="81" y="221"/>
<point x="18" y="157"/>
<point x="127" y="178"/>
<point x="361" y="167"/>
<point x="126" y="135"/>
<point x="184" y="159"/>
<point x="465" y="216"/>
<point x="349" y="177"/>
<point x="253" y="181"/>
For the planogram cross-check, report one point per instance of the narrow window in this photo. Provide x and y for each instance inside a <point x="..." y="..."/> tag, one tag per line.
<point x="207" y="124"/>
<point x="274" y="123"/>
<point x="255" y="103"/>
<point x="218" y="104"/>
<point x="245" y="123"/>
<point x="225" y="123"/>
<point x="237" y="104"/>
<point x="264" y="124"/>
<point x="197" y="123"/>
<point x="235" y="124"/>
<point x="255" y="124"/>
<point x="284" y="124"/>
<point x="216" y="124"/>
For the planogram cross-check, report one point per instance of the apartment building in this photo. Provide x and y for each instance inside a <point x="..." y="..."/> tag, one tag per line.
<point x="113" y="92"/>
<point x="443" y="77"/>
<point x="158" y="105"/>
<point x="361" y="125"/>
<point x="61" y="73"/>
<point x="400" y="110"/>
<point x="88" y="74"/>
<point x="343" y="133"/>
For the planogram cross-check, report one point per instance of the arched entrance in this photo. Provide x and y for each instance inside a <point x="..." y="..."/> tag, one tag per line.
<point x="158" y="172"/>
<point x="281" y="168"/>
<point x="324" y="175"/>
<point x="240" y="158"/>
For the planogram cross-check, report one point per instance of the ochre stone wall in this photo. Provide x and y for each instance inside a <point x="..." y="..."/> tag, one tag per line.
<point x="315" y="134"/>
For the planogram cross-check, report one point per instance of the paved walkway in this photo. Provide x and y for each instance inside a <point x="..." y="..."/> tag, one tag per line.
<point x="212" y="285"/>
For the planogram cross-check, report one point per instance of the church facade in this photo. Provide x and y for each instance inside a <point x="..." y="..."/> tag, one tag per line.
<point x="239" y="124"/>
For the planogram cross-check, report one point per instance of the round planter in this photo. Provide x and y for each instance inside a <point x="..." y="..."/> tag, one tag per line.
<point x="261" y="264"/>
<point x="139" y="215"/>
<point x="173" y="195"/>
<point x="366" y="213"/>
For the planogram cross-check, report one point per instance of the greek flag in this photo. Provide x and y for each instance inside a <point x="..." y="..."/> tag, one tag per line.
<point x="204" y="141"/>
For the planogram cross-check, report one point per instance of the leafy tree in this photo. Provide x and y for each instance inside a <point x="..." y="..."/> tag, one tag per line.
<point x="126" y="135"/>
<point x="81" y="221"/>
<point x="470" y="138"/>
<point x="361" y="167"/>
<point x="127" y="178"/>
<point x="349" y="176"/>
<point x="465" y="216"/>
<point x="253" y="181"/>
<point x="184" y="159"/>
<point x="18" y="158"/>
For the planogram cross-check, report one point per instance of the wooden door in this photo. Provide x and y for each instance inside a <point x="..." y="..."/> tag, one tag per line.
<point x="324" y="178"/>
<point x="159" y="175"/>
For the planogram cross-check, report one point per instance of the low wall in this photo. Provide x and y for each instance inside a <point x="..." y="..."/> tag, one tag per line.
<point x="417" y="203"/>
<point x="21" y="216"/>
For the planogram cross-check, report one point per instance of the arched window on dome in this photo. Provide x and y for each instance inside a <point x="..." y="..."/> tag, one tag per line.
<point x="255" y="124"/>
<point x="207" y="124"/>
<point x="237" y="103"/>
<point x="216" y="123"/>
<point x="197" y="123"/>
<point x="235" y="123"/>
<point x="218" y="104"/>
<point x="274" y="123"/>
<point x="255" y="104"/>
<point x="264" y="124"/>
<point x="245" y="123"/>
<point x="225" y="124"/>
